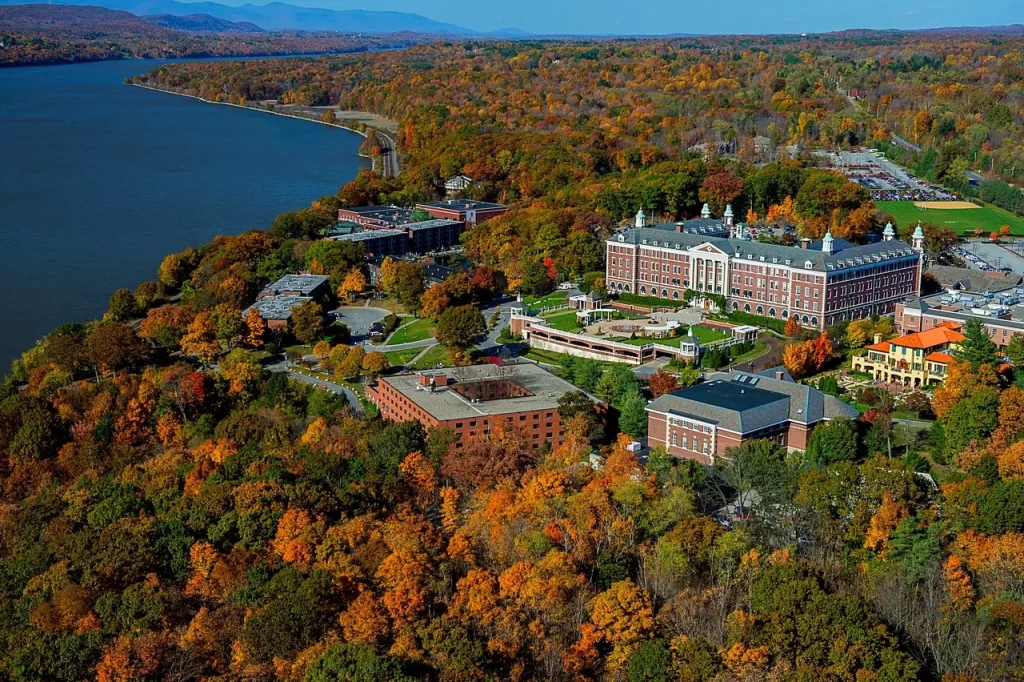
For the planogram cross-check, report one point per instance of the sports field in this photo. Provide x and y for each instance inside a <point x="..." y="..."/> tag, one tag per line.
<point x="959" y="215"/>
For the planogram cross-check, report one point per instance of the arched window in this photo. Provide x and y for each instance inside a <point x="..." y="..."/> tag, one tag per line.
<point x="643" y="290"/>
<point x="814" y="321"/>
<point x="664" y="293"/>
<point x="675" y="295"/>
<point x="626" y="288"/>
<point x="746" y="308"/>
<point x="785" y="314"/>
<point x="771" y="312"/>
<point x="735" y="305"/>
<point x="760" y="310"/>
<point x="805" y="319"/>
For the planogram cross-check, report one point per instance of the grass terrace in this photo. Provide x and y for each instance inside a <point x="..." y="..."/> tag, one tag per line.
<point x="536" y="303"/>
<point x="562" y="321"/>
<point x="414" y="331"/>
<point x="986" y="218"/>
<point x="549" y="357"/>
<point x="402" y="357"/>
<point x="705" y="335"/>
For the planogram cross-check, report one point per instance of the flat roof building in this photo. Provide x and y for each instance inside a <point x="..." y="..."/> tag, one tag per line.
<point x="476" y="401"/>
<point x="703" y="421"/>
<point x="312" y="286"/>
<point x="463" y="210"/>
<point x="277" y="310"/>
<point x="383" y="242"/>
<point x="376" y="216"/>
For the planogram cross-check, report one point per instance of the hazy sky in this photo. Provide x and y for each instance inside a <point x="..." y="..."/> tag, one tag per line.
<point x="693" y="16"/>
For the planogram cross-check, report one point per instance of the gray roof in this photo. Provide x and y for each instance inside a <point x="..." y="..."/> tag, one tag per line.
<point x="843" y="258"/>
<point x="712" y="227"/>
<point x="304" y="284"/>
<point x="743" y="402"/>
<point x="461" y="204"/>
<point x="367" y="235"/>
<point x="446" y="403"/>
<point x="277" y="307"/>
<point x="430" y="224"/>
<point x="972" y="280"/>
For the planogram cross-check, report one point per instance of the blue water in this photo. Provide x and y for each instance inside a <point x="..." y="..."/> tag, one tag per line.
<point x="100" y="180"/>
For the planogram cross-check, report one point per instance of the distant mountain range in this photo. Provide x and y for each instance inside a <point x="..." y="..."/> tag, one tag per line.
<point x="279" y="16"/>
<point x="202" y="23"/>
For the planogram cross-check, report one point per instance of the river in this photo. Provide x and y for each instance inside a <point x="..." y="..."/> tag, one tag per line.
<point x="100" y="180"/>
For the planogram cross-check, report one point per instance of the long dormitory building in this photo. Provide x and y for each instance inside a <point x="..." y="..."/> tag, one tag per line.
<point x="819" y="283"/>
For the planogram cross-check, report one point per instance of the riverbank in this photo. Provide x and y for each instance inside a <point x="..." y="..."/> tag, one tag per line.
<point x="390" y="166"/>
<point x="147" y="175"/>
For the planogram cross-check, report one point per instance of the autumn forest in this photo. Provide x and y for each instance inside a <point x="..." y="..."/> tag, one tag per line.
<point x="172" y="511"/>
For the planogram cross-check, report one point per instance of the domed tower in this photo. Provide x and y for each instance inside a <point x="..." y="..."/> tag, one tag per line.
<point x="917" y="239"/>
<point x="689" y="347"/>
<point x="828" y="244"/>
<point x="705" y="212"/>
<point x="888" y="234"/>
<point x="727" y="215"/>
<point x="641" y="219"/>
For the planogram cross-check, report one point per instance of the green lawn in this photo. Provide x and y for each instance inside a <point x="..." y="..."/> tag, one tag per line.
<point x="546" y="301"/>
<point x="565" y="322"/>
<point x="759" y="349"/>
<point x="401" y="357"/>
<point x="705" y="335"/>
<point x="437" y="355"/>
<point x="415" y="331"/>
<point x="987" y="219"/>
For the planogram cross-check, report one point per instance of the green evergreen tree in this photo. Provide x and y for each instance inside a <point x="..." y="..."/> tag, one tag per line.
<point x="835" y="441"/>
<point x="978" y="348"/>
<point x="633" y="419"/>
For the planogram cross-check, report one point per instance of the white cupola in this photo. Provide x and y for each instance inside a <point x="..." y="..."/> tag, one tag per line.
<point x="888" y="233"/>
<point x="705" y="212"/>
<point x="641" y="219"/>
<point x="828" y="244"/>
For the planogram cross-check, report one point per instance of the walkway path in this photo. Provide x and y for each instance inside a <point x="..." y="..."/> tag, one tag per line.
<point x="338" y="389"/>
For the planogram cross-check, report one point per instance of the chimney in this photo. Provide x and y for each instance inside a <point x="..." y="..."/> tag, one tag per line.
<point x="424" y="380"/>
<point x="805" y="243"/>
<point x="679" y="227"/>
<point x="441" y="380"/>
<point x="878" y="338"/>
<point x="780" y="375"/>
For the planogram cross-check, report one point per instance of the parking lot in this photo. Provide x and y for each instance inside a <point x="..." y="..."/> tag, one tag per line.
<point x="886" y="180"/>
<point x="996" y="256"/>
<point x="358" y="320"/>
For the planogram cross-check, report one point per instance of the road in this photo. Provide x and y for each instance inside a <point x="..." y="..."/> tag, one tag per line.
<point x="389" y="158"/>
<point x="353" y="400"/>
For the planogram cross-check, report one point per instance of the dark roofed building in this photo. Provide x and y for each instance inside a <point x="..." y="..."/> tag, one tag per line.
<point x="703" y="421"/>
<point x="379" y="242"/>
<point x="819" y="283"/>
<point x="376" y="217"/>
<point x="310" y="286"/>
<point x="465" y="211"/>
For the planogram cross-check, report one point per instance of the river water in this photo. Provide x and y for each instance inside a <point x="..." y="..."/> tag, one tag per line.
<point x="100" y="180"/>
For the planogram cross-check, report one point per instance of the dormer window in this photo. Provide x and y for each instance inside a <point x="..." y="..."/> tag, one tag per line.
<point x="622" y="237"/>
<point x="808" y="264"/>
<point x="762" y="259"/>
<point x="775" y="260"/>
<point x="789" y="261"/>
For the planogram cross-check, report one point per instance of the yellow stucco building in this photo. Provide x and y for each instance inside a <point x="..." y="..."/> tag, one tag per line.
<point x="918" y="359"/>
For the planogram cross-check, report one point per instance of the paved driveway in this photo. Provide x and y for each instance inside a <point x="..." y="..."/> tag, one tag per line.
<point x="359" y="319"/>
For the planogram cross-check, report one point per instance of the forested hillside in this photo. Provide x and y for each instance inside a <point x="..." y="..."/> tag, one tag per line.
<point x="57" y="34"/>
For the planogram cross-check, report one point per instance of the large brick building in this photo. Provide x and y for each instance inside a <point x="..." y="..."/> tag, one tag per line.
<point x="819" y="283"/>
<point x="476" y="401"/>
<point x="703" y="421"/>
<point x="463" y="210"/>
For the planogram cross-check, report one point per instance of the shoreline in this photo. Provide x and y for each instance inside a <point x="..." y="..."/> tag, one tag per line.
<point x="361" y="133"/>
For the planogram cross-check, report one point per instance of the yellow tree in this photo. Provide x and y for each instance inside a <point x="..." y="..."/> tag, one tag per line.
<point x="256" y="328"/>
<point x="201" y="339"/>
<point x="798" y="358"/>
<point x="624" y="617"/>
<point x="353" y="285"/>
